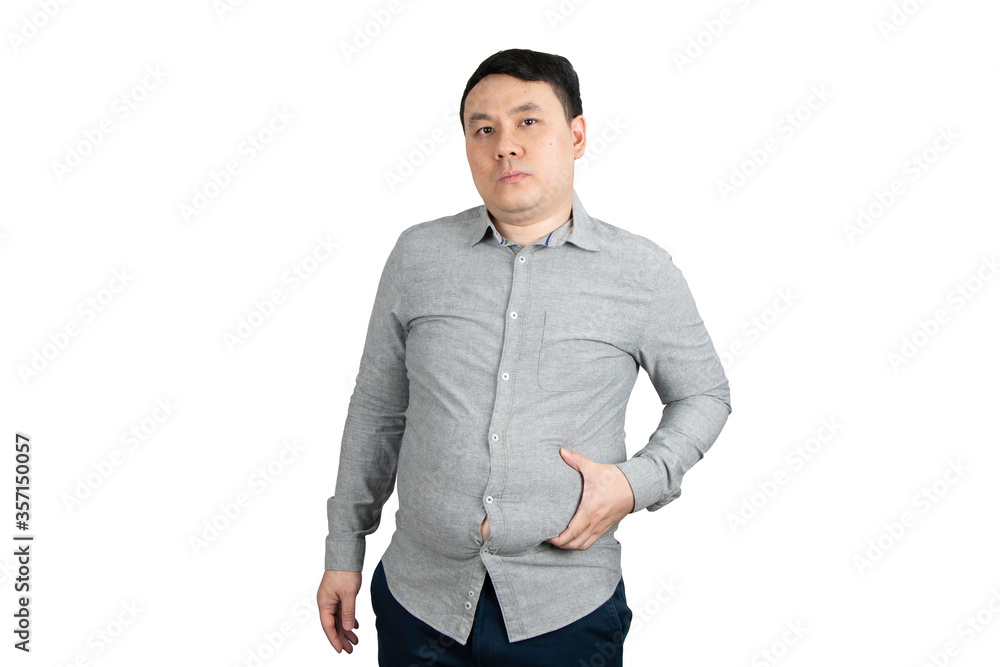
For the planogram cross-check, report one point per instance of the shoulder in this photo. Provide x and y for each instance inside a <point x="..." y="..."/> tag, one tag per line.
<point x="630" y="246"/>
<point x="438" y="231"/>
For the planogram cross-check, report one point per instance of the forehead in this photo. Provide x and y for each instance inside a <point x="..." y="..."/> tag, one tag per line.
<point x="500" y="89"/>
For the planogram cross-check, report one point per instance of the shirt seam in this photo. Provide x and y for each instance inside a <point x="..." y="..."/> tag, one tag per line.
<point x="643" y="328"/>
<point x="398" y="288"/>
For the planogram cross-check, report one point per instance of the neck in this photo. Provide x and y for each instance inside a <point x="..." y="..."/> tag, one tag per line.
<point x="527" y="231"/>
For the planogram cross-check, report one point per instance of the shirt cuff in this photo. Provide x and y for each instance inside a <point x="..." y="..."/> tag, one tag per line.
<point x="646" y="480"/>
<point x="345" y="554"/>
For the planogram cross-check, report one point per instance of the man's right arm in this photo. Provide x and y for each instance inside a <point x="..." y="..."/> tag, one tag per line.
<point x="374" y="426"/>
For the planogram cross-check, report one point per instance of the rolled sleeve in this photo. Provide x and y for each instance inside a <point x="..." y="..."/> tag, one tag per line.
<point x="677" y="353"/>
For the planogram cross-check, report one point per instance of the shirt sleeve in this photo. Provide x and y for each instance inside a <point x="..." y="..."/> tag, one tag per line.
<point x="676" y="351"/>
<point x="374" y="426"/>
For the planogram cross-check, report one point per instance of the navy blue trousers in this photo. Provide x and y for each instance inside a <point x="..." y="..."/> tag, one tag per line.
<point x="405" y="641"/>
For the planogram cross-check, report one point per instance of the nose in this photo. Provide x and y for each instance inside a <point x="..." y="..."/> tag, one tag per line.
<point x="507" y="145"/>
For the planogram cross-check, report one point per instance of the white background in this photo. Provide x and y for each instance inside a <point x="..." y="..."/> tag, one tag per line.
<point x="673" y="132"/>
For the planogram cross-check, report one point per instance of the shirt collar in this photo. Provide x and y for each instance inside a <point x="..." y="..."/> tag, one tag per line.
<point x="579" y="231"/>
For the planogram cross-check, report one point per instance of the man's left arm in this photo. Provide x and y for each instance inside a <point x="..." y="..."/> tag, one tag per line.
<point x="678" y="355"/>
<point x="676" y="351"/>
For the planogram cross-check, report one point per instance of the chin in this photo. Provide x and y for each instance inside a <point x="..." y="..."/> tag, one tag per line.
<point x="519" y="197"/>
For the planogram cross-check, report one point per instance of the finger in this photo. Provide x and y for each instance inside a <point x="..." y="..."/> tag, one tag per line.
<point x="562" y="537"/>
<point x="580" y="543"/>
<point x="347" y="613"/>
<point x="582" y="533"/>
<point x="328" y="619"/>
<point x="349" y="634"/>
<point x="345" y="640"/>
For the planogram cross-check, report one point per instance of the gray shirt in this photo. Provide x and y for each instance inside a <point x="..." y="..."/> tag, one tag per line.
<point x="482" y="359"/>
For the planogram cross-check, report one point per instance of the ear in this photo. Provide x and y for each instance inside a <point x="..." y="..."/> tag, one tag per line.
<point x="578" y="128"/>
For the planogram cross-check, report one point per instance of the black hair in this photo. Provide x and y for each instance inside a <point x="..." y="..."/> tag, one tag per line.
<point x="529" y="65"/>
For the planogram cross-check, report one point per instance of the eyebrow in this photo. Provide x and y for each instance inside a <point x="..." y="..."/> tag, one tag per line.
<point x="527" y="106"/>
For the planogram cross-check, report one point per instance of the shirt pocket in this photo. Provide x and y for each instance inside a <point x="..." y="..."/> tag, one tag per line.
<point x="577" y="353"/>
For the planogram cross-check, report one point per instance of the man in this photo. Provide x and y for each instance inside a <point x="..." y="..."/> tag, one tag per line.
<point x="500" y="355"/>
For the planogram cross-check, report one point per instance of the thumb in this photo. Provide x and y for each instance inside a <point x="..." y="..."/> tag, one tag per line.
<point x="347" y="613"/>
<point x="569" y="457"/>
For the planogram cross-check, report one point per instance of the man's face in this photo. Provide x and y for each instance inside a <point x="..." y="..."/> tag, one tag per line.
<point x="520" y="126"/>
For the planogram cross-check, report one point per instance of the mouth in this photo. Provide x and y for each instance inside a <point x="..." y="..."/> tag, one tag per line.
<point x="513" y="177"/>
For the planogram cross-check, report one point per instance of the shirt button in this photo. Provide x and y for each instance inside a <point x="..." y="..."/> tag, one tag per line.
<point x="521" y="259"/>
<point x="506" y="376"/>
<point x="489" y="499"/>
<point x="496" y="437"/>
<point x="513" y="314"/>
<point x="472" y="594"/>
<point x="468" y="605"/>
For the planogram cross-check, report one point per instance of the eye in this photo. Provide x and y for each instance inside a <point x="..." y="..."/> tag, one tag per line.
<point x="532" y="120"/>
<point x="487" y="127"/>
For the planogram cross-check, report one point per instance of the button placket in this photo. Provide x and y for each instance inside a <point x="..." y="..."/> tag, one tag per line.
<point x="503" y="401"/>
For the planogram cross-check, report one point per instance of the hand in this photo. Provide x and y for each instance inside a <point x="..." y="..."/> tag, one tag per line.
<point x="607" y="499"/>
<point x="337" y="592"/>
